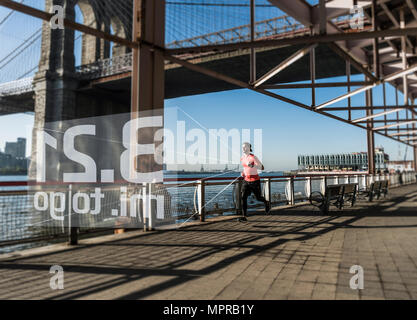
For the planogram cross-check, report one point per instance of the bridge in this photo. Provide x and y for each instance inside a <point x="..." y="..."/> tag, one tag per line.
<point x="296" y="47"/>
<point x="115" y="72"/>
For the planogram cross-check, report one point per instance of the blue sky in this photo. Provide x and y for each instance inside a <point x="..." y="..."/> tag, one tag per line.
<point x="287" y="130"/>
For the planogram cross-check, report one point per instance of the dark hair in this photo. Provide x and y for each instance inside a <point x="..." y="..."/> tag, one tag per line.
<point x="250" y="146"/>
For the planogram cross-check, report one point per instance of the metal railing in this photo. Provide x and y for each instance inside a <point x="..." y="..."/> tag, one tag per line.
<point x="184" y="199"/>
<point x="281" y="27"/>
<point x="105" y="67"/>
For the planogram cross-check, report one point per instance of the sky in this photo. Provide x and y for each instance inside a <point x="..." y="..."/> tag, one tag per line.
<point x="287" y="130"/>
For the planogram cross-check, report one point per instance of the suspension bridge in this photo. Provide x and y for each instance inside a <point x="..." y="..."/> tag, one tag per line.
<point x="114" y="72"/>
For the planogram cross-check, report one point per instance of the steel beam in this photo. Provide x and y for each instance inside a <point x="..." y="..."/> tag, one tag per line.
<point x="348" y="89"/>
<point x="315" y="85"/>
<point x="327" y="38"/>
<point x="348" y="57"/>
<point x="284" y="64"/>
<point x="383" y="121"/>
<point x="376" y="115"/>
<point x="414" y="12"/>
<point x="242" y="84"/>
<point x="322" y="17"/>
<point x="395" y="125"/>
<point x="359" y="90"/>
<point x="299" y="10"/>
<point x="313" y="75"/>
<point x="375" y="41"/>
<point x="404" y="56"/>
<point x="345" y="96"/>
<point x="365" y="107"/>
<point x="394" y="21"/>
<point x="405" y="133"/>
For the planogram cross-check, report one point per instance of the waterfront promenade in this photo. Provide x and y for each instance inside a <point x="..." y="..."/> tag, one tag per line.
<point x="293" y="253"/>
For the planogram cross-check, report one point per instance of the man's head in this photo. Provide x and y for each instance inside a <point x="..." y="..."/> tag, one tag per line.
<point x="246" y="147"/>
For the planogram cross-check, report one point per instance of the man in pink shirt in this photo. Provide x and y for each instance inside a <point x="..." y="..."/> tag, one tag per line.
<point x="252" y="181"/>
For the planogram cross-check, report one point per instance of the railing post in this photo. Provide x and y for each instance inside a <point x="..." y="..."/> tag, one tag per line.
<point x="323" y="185"/>
<point x="268" y="189"/>
<point x="292" y="191"/>
<point x="238" y="197"/>
<point x="201" y="200"/>
<point x="145" y="207"/>
<point x="308" y="187"/>
<point x="72" y="228"/>
<point x="152" y="213"/>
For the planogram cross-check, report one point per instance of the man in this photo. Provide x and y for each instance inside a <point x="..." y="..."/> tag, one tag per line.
<point x="252" y="181"/>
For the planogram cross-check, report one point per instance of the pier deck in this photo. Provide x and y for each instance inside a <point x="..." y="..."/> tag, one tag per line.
<point x="294" y="253"/>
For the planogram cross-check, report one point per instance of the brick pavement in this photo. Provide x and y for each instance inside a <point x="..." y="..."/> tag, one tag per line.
<point x="293" y="253"/>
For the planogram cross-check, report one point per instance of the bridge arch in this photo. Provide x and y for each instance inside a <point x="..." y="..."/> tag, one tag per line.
<point x="89" y="51"/>
<point x="117" y="28"/>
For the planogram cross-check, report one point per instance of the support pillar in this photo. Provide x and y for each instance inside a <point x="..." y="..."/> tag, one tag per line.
<point x="370" y="133"/>
<point x="252" y="38"/>
<point x="54" y="83"/>
<point x="415" y="141"/>
<point x="148" y="74"/>
<point x="415" y="158"/>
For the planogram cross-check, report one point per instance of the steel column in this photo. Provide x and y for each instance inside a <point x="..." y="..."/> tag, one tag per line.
<point x="404" y="57"/>
<point x="148" y="74"/>
<point x="375" y="41"/>
<point x="370" y="134"/>
<point x="313" y="75"/>
<point x="252" y="39"/>
<point x="348" y="89"/>
<point x="385" y="105"/>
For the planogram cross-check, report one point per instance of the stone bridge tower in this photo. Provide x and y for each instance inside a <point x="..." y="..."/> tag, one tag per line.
<point x="56" y="82"/>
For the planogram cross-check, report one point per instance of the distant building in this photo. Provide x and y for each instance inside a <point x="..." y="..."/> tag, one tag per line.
<point x="355" y="161"/>
<point x="16" y="149"/>
<point x="407" y="165"/>
<point x="8" y="162"/>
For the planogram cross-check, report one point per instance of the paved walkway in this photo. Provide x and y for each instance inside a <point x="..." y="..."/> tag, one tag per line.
<point x="291" y="254"/>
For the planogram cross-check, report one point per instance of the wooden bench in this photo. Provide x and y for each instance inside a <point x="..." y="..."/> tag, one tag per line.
<point x="337" y="195"/>
<point x="375" y="190"/>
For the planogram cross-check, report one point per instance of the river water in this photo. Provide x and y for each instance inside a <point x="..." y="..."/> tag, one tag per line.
<point x="16" y="219"/>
